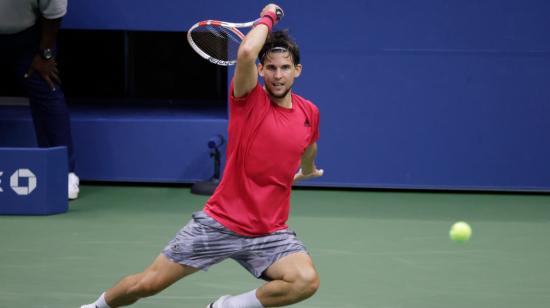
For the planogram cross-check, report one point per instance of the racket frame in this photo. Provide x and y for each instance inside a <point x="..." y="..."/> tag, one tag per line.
<point x="233" y="27"/>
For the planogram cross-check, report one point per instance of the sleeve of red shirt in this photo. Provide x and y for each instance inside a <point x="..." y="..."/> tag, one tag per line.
<point x="243" y="99"/>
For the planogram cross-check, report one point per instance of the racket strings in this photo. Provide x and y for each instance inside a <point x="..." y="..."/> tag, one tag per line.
<point x="218" y="42"/>
<point x="215" y="31"/>
<point x="231" y="35"/>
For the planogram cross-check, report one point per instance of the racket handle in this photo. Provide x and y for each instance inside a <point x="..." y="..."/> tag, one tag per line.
<point x="279" y="12"/>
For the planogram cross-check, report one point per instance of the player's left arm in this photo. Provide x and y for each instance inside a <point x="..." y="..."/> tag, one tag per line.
<point x="308" y="169"/>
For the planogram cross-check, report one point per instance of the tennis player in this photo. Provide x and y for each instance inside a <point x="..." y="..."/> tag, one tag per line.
<point x="272" y="133"/>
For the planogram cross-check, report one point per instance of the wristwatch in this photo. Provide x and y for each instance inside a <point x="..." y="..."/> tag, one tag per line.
<point x="46" y="54"/>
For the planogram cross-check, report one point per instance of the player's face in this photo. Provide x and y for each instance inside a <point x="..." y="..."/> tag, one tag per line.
<point x="279" y="72"/>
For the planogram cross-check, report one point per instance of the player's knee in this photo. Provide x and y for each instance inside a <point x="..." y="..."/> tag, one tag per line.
<point x="308" y="283"/>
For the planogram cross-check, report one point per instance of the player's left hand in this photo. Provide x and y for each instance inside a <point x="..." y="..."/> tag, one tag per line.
<point x="314" y="174"/>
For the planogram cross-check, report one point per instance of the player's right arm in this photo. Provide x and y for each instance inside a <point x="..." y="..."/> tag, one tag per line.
<point x="246" y="72"/>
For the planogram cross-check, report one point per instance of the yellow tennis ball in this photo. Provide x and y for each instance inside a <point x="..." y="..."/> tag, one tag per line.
<point x="460" y="232"/>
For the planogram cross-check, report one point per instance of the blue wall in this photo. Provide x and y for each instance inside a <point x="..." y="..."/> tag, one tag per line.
<point x="450" y="94"/>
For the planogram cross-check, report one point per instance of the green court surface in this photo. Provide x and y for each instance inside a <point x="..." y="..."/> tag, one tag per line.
<point x="378" y="249"/>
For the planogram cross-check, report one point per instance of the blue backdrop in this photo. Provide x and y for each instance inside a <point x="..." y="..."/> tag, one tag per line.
<point x="438" y="94"/>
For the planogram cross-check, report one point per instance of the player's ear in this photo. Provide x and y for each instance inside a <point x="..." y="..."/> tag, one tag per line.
<point x="298" y="72"/>
<point x="260" y="70"/>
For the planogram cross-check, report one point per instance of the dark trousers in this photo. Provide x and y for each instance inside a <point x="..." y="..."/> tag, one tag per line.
<point x="49" y="111"/>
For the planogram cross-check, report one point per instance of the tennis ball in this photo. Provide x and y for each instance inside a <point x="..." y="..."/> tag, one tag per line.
<point x="460" y="232"/>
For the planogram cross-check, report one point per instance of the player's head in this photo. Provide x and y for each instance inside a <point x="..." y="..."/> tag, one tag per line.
<point x="277" y="42"/>
<point x="279" y="64"/>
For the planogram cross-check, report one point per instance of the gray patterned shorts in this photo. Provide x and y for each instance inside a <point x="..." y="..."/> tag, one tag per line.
<point x="204" y="242"/>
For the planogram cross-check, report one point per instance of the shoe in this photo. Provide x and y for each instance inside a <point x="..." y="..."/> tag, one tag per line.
<point x="74" y="183"/>
<point x="218" y="303"/>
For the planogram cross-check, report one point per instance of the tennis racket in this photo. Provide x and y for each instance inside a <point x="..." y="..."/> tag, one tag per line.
<point x="218" y="41"/>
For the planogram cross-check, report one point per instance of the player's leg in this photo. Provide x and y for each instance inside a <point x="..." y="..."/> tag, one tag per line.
<point x="158" y="276"/>
<point x="281" y="259"/>
<point x="293" y="279"/>
<point x="198" y="245"/>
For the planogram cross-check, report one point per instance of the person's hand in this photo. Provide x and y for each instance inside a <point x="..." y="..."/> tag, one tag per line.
<point x="47" y="69"/>
<point x="315" y="173"/>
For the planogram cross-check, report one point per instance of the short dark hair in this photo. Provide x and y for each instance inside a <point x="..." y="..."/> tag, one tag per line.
<point x="278" y="41"/>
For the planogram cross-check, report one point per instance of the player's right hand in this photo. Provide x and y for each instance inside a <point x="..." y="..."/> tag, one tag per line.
<point x="273" y="8"/>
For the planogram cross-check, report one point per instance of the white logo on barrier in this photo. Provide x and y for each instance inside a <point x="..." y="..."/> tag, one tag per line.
<point x="23" y="190"/>
<point x="1" y="181"/>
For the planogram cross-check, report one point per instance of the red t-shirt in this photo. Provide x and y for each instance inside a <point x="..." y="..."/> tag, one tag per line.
<point x="264" y="150"/>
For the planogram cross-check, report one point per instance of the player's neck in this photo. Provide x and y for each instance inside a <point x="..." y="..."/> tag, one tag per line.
<point x="284" y="102"/>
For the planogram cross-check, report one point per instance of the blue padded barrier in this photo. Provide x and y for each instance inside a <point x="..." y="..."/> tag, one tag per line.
<point x="130" y="144"/>
<point x="33" y="181"/>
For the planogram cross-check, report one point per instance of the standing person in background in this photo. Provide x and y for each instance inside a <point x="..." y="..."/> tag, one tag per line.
<point x="272" y="134"/>
<point x="28" y="34"/>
